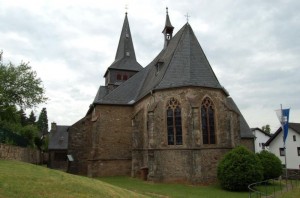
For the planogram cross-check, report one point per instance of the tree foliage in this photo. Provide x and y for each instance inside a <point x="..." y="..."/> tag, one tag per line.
<point x="20" y="86"/>
<point x="272" y="167"/>
<point x="42" y="122"/>
<point x="266" y="128"/>
<point x="239" y="168"/>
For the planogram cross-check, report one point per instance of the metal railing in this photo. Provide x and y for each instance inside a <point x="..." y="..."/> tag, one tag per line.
<point x="273" y="187"/>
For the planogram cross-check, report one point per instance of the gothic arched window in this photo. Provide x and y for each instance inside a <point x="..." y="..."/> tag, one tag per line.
<point x="174" y="122"/>
<point x="208" y="121"/>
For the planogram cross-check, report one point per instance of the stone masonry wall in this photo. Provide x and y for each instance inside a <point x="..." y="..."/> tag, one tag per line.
<point x="111" y="144"/>
<point x="79" y="145"/>
<point x="29" y="155"/>
<point x="193" y="160"/>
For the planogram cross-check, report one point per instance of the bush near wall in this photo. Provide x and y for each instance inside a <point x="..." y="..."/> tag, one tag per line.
<point x="272" y="167"/>
<point x="239" y="168"/>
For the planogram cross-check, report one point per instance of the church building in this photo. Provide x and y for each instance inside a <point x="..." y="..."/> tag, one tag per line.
<point x="171" y="120"/>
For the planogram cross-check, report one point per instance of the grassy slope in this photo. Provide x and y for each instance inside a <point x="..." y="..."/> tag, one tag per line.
<point x="172" y="190"/>
<point x="19" y="179"/>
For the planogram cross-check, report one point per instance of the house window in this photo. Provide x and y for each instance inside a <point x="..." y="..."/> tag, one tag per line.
<point x="208" y="122"/>
<point x="125" y="77"/>
<point x="281" y="152"/>
<point x="174" y="126"/>
<point x="119" y="77"/>
<point x="298" y="151"/>
<point x="294" y="138"/>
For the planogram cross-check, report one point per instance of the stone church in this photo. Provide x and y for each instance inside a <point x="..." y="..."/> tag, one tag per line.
<point x="171" y="119"/>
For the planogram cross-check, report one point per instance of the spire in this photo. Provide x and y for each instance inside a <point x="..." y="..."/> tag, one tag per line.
<point x="125" y="64"/>
<point x="125" y="47"/>
<point x="168" y="30"/>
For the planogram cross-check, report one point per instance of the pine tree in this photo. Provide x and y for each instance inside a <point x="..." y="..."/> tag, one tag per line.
<point x="23" y="117"/>
<point x="32" y="118"/>
<point x="42" y="122"/>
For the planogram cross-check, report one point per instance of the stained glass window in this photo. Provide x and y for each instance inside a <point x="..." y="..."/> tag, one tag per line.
<point x="174" y="125"/>
<point x="208" y="122"/>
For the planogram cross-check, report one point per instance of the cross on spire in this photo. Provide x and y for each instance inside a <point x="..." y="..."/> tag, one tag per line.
<point x="167" y="10"/>
<point x="126" y="8"/>
<point x="187" y="17"/>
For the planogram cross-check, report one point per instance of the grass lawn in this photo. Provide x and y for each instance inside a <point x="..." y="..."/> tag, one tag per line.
<point x="172" y="190"/>
<point x="19" y="179"/>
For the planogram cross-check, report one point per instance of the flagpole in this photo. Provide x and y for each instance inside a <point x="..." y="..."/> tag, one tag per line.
<point x="284" y="146"/>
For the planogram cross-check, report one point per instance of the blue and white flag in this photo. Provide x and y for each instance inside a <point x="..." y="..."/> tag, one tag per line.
<point x="283" y="116"/>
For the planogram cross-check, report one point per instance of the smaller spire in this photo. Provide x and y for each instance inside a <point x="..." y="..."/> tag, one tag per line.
<point x="168" y="30"/>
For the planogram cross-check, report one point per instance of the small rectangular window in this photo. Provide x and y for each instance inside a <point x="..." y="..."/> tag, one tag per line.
<point x="281" y="152"/>
<point x="294" y="138"/>
<point x="298" y="151"/>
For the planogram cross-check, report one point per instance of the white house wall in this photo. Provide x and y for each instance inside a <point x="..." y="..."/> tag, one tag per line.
<point x="293" y="160"/>
<point x="260" y="139"/>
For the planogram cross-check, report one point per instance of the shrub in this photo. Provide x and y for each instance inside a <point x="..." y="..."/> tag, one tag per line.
<point x="271" y="165"/>
<point x="239" y="168"/>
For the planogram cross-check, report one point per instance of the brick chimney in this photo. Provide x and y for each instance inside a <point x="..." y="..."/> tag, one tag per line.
<point x="53" y="127"/>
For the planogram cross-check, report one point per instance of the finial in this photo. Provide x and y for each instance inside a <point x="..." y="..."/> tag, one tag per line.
<point x="167" y="10"/>
<point x="126" y="8"/>
<point x="187" y="17"/>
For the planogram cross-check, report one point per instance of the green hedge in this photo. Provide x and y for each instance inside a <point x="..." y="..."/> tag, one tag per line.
<point x="272" y="167"/>
<point x="239" y="168"/>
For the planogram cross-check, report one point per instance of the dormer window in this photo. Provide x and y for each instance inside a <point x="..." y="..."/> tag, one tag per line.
<point x="127" y="35"/>
<point x="158" y="66"/>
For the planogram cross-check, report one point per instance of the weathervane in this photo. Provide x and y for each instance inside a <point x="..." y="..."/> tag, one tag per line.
<point x="187" y="17"/>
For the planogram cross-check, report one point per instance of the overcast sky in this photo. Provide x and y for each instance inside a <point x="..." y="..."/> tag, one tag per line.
<point x="253" y="47"/>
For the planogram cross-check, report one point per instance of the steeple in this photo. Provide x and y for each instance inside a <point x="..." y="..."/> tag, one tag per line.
<point x="125" y="47"/>
<point x="125" y="64"/>
<point x="168" y="30"/>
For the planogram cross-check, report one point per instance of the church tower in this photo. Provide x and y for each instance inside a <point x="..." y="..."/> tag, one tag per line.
<point x="168" y="30"/>
<point x="125" y="64"/>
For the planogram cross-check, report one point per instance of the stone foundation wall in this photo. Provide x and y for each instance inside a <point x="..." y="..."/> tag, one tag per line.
<point x="113" y="167"/>
<point x="178" y="165"/>
<point x="29" y="155"/>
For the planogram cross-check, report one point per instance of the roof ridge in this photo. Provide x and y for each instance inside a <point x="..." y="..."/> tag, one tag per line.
<point x="172" y="55"/>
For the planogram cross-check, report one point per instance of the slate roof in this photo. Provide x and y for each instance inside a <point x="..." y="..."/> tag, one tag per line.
<point x="183" y="63"/>
<point x="244" y="127"/>
<point x="58" y="140"/>
<point x="125" y="57"/>
<point x="258" y="129"/>
<point x="294" y="126"/>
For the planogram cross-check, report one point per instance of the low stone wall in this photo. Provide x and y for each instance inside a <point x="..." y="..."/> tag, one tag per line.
<point x="10" y="152"/>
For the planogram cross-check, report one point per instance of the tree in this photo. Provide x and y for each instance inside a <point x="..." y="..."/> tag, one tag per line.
<point x="266" y="129"/>
<point x="239" y="168"/>
<point x="32" y="118"/>
<point x="23" y="117"/>
<point x="272" y="167"/>
<point x="20" y="86"/>
<point x="42" y="122"/>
